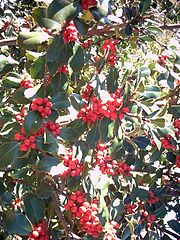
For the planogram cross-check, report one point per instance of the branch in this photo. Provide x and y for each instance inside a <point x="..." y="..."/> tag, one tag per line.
<point x="92" y="32"/>
<point x="8" y="42"/>
<point x="62" y="220"/>
<point x="170" y="27"/>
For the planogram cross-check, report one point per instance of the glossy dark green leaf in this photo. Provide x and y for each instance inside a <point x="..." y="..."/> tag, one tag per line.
<point x="77" y="60"/>
<point x="128" y="146"/>
<point x="6" y="64"/>
<point x="38" y="68"/>
<point x="16" y="223"/>
<point x="31" y="40"/>
<point x="58" y="54"/>
<point x="2" y="188"/>
<point x="32" y="122"/>
<point x="103" y="129"/>
<point x="12" y="80"/>
<point x="69" y="134"/>
<point x="141" y="141"/>
<point x="19" y="96"/>
<point x="128" y="30"/>
<point x="175" y="111"/>
<point x="8" y="152"/>
<point x="40" y="16"/>
<point x="63" y="10"/>
<point x="112" y="80"/>
<point x="47" y="163"/>
<point x="60" y="82"/>
<point x="93" y="136"/>
<point x="76" y="101"/>
<point x="160" y="212"/>
<point x="144" y="5"/>
<point x="175" y="225"/>
<point x="60" y="101"/>
<point x="34" y="208"/>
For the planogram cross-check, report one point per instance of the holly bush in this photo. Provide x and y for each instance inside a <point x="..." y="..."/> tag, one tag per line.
<point x="89" y="119"/>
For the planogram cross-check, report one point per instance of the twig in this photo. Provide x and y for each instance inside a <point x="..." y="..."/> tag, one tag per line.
<point x="8" y="42"/>
<point x="170" y="27"/>
<point x="62" y="220"/>
<point x="92" y="32"/>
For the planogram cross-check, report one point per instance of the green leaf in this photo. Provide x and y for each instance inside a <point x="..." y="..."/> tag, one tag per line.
<point x="160" y="122"/>
<point x="31" y="40"/>
<point x="63" y="10"/>
<point x="34" y="208"/>
<point x="19" y="96"/>
<point x="144" y="71"/>
<point x="112" y="80"/>
<point x="141" y="141"/>
<point x="128" y="146"/>
<point x="8" y="152"/>
<point x="2" y="188"/>
<point x="40" y="16"/>
<point x="47" y="163"/>
<point x="156" y="138"/>
<point x="144" y="5"/>
<point x="38" y="68"/>
<point x="93" y="136"/>
<point x="175" y="111"/>
<point x="68" y="134"/>
<point x="76" y="101"/>
<point x="16" y="223"/>
<point x="32" y="122"/>
<point x="58" y="54"/>
<point x="128" y="30"/>
<point x="160" y="212"/>
<point x="77" y="60"/>
<point x="103" y="129"/>
<point x="175" y="225"/>
<point x="6" y="64"/>
<point x="60" y="101"/>
<point x="126" y="233"/>
<point x="155" y="30"/>
<point x="60" y="82"/>
<point x="12" y="80"/>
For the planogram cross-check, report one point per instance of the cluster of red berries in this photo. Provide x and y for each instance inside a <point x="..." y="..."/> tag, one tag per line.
<point x="26" y="142"/>
<point x="42" y="105"/>
<point x="130" y="208"/>
<point x="53" y="127"/>
<point x="111" y="232"/>
<point x="162" y="60"/>
<point x="178" y="161"/>
<point x="97" y="109"/>
<point x="86" y="213"/>
<point x="72" y="166"/>
<point x="71" y="33"/>
<point x="40" y="232"/>
<point x="86" y="4"/>
<point x="152" y="199"/>
<point x="110" y="47"/>
<point x="26" y="83"/>
<point x="149" y="218"/>
<point x="63" y="69"/>
<point x="87" y="92"/>
<point x="166" y="142"/>
<point x="17" y="203"/>
<point x="86" y="44"/>
<point x="109" y="166"/>
<point x="20" y="116"/>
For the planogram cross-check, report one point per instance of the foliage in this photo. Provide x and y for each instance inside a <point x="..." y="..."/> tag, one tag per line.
<point x="89" y="141"/>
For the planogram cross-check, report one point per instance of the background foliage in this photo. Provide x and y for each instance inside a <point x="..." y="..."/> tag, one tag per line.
<point x="89" y="142"/>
